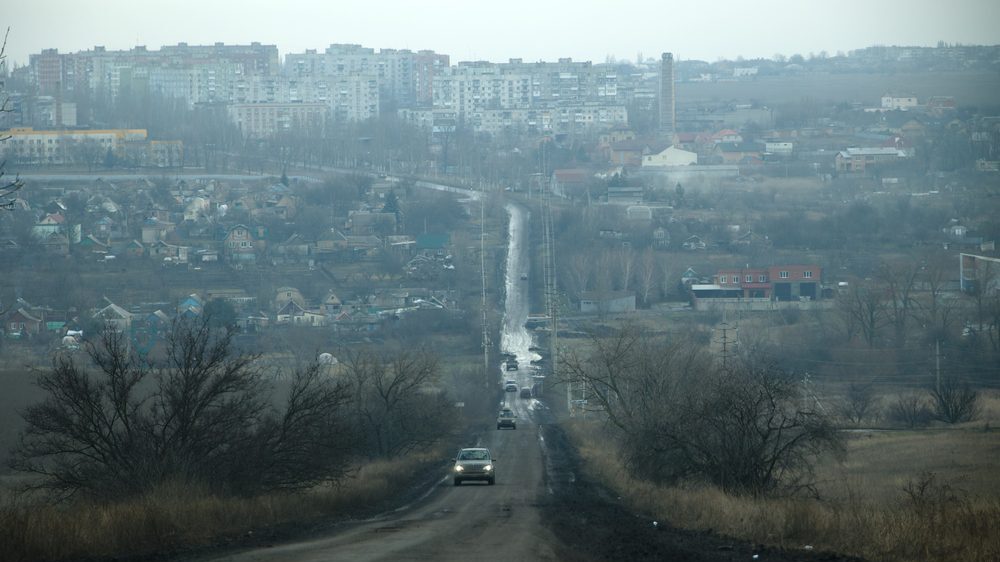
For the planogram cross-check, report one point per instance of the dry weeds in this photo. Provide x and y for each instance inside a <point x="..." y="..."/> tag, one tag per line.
<point x="885" y="505"/>
<point x="184" y="516"/>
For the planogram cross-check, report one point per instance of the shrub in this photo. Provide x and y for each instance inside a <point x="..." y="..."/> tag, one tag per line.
<point x="909" y="410"/>
<point x="954" y="402"/>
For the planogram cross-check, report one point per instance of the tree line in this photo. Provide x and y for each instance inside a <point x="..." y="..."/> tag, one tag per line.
<point x="117" y="423"/>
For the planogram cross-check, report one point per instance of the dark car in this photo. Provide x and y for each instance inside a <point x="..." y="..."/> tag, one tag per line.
<point x="525" y="392"/>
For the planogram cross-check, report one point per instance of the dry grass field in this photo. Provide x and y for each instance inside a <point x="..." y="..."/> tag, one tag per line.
<point x="922" y="495"/>
<point x="17" y="390"/>
<point x="184" y="517"/>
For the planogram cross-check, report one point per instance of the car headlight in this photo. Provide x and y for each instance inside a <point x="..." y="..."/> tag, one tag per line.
<point x="488" y="467"/>
<point x="459" y="468"/>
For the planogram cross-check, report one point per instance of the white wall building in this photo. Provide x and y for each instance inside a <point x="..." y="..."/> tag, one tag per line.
<point x="671" y="156"/>
<point x="892" y="102"/>
<point x="266" y="119"/>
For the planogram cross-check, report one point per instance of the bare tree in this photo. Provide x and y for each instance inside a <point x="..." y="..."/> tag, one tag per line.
<point x="647" y="274"/>
<point x="396" y="404"/>
<point x="859" y="403"/>
<point x="669" y="277"/>
<point x="682" y="417"/>
<point x="862" y="311"/>
<point x="577" y="272"/>
<point x="604" y="272"/>
<point x="898" y="282"/>
<point x="936" y="311"/>
<point x="953" y="401"/>
<point x="201" y="414"/>
<point x="8" y="187"/>
<point x="624" y="262"/>
<point x="910" y="410"/>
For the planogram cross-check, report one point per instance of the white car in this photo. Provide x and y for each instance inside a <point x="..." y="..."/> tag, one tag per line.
<point x="474" y="464"/>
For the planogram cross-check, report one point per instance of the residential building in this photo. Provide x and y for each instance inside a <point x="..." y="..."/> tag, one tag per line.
<point x="23" y="322"/>
<point x="671" y="156"/>
<point x="778" y="147"/>
<point x="892" y="102"/>
<point x="567" y="181"/>
<point x="737" y="152"/>
<point x="238" y="246"/>
<point x="29" y="145"/>
<point x="266" y="119"/>
<point x="859" y="159"/>
<point x="779" y="283"/>
<point x="114" y="317"/>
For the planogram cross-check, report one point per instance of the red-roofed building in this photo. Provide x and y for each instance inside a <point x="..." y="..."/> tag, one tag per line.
<point x="566" y="181"/>
<point x="727" y="135"/>
<point x="631" y="152"/>
<point x="781" y="283"/>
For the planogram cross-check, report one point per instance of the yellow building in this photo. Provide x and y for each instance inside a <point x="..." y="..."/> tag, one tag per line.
<point x="31" y="146"/>
<point x="90" y="146"/>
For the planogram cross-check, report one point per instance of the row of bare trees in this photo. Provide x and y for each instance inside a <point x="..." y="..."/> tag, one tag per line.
<point x="204" y="411"/>
<point x="621" y="268"/>
<point x="910" y="297"/>
<point x="681" y="416"/>
<point x="949" y="400"/>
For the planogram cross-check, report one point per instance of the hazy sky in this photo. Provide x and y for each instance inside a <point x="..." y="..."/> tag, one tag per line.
<point x="500" y="29"/>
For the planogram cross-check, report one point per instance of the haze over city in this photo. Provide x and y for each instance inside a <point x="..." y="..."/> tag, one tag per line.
<point x="449" y="280"/>
<point x="583" y="29"/>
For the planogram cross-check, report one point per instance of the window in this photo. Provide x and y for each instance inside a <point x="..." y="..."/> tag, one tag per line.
<point x="762" y="279"/>
<point x="783" y="275"/>
<point x="808" y="274"/>
<point x="749" y="279"/>
<point x="722" y="279"/>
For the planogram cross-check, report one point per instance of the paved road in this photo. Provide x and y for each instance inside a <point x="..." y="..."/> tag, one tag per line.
<point x="473" y="521"/>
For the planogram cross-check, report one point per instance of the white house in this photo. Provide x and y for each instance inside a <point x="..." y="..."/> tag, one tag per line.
<point x="893" y="102"/>
<point x="778" y="147"/>
<point x="672" y="156"/>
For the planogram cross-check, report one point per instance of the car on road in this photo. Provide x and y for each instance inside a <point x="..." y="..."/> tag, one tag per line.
<point x="474" y="464"/>
<point x="525" y="392"/>
<point x="511" y="365"/>
<point x="510" y="386"/>
<point x="507" y="418"/>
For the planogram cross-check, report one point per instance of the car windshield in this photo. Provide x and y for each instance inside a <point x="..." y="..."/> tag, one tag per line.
<point x="473" y="456"/>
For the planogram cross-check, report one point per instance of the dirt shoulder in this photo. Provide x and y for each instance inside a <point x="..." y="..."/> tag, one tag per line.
<point x="592" y="524"/>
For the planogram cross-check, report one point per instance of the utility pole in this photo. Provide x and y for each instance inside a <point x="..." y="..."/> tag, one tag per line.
<point x="482" y="264"/>
<point x="551" y="292"/>
<point x="725" y="329"/>
<point x="937" y="365"/>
